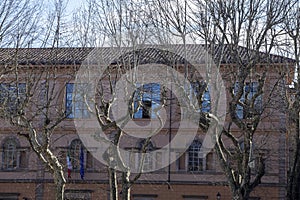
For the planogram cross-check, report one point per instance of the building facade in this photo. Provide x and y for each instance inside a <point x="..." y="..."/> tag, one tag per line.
<point x="192" y="175"/>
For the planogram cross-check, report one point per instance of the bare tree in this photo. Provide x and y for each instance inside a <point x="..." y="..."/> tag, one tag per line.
<point x="119" y="24"/>
<point x="241" y="35"/>
<point x="19" y="23"/>
<point x="246" y="32"/>
<point x="31" y="92"/>
<point x="292" y="48"/>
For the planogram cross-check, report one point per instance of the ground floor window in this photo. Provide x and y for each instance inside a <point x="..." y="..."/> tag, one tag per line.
<point x="78" y="195"/>
<point x="144" y="196"/>
<point x="9" y="196"/>
<point x="194" y="197"/>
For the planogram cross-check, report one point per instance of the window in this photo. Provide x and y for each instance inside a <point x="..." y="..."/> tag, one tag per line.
<point x="146" y="157"/>
<point x="75" y="154"/>
<point x="12" y="96"/>
<point x="78" y="194"/>
<point x="201" y="88"/>
<point x="9" y="196"/>
<point x="194" y="197"/>
<point x="249" y="95"/>
<point x="75" y="149"/>
<point x="146" y="101"/>
<point x="144" y="196"/>
<point x="12" y="156"/>
<point x="195" y="162"/>
<point x="77" y="104"/>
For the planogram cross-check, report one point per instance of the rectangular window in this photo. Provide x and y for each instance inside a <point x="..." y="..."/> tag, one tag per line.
<point x="250" y="103"/>
<point x="144" y="196"/>
<point x="77" y="104"/>
<point x="146" y="101"/>
<point x="12" y="96"/>
<point x="194" y="197"/>
<point x="9" y="196"/>
<point x="78" y="194"/>
<point x="201" y="90"/>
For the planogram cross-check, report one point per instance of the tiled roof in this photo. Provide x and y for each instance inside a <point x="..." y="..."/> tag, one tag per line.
<point x="149" y="53"/>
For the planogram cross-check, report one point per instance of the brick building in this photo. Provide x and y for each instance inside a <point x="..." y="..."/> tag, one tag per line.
<point x="190" y="177"/>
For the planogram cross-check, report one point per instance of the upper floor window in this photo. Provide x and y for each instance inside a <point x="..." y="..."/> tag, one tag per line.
<point x="250" y="103"/>
<point x="146" y="101"/>
<point x="76" y="104"/>
<point x="12" y="95"/>
<point x="201" y="88"/>
<point x="195" y="160"/>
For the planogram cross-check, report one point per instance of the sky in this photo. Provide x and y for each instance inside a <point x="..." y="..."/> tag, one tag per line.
<point x="74" y="4"/>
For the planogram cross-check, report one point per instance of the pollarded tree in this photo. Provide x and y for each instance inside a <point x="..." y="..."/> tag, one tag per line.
<point x="240" y="35"/>
<point x="292" y="109"/>
<point x="245" y="34"/>
<point x="121" y="25"/>
<point x="31" y="90"/>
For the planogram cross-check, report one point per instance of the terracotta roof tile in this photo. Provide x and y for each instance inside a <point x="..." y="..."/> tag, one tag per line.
<point x="148" y="53"/>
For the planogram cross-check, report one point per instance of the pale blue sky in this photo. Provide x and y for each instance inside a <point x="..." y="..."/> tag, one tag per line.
<point x="73" y="4"/>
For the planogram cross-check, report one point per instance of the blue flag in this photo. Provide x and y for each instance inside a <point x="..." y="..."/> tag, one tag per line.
<point x="81" y="164"/>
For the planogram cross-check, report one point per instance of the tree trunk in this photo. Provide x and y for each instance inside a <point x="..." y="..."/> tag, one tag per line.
<point x="294" y="168"/>
<point x="240" y="194"/>
<point x="59" y="181"/>
<point x="113" y="184"/>
<point x="293" y="178"/>
<point x="125" y="185"/>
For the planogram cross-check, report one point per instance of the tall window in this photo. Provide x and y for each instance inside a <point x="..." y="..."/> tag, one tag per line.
<point x="146" y="157"/>
<point x="77" y="104"/>
<point x="201" y="88"/>
<point x="10" y="155"/>
<point x="146" y="101"/>
<point x="249" y="95"/>
<point x="75" y="149"/>
<point x="12" y="95"/>
<point x="75" y="155"/>
<point x="195" y="161"/>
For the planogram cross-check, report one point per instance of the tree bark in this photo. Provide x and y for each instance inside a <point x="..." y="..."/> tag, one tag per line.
<point x="125" y="185"/>
<point x="113" y="184"/>
<point x="60" y="182"/>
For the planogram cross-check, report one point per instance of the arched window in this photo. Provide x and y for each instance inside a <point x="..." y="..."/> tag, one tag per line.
<point x="75" y="149"/>
<point x="10" y="157"/>
<point x="195" y="162"/>
<point x="146" y="147"/>
<point x="77" y="153"/>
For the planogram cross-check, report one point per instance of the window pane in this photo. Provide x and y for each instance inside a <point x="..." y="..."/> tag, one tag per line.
<point x="77" y="104"/>
<point x="147" y="101"/>
<point x="10" y="155"/>
<point x="195" y="160"/>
